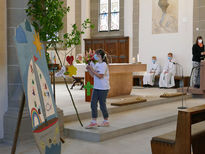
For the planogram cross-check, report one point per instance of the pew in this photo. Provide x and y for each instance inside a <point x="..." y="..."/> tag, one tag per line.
<point x="190" y="131"/>
<point x="80" y="75"/>
<point x="177" y="79"/>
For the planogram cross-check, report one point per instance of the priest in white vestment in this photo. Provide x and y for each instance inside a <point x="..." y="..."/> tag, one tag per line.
<point x="153" y="70"/>
<point x="167" y="76"/>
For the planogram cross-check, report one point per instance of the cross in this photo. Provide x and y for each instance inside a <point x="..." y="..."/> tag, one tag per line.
<point x="88" y="87"/>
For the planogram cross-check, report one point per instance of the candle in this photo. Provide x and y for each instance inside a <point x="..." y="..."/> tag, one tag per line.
<point x="138" y="58"/>
<point x="133" y="60"/>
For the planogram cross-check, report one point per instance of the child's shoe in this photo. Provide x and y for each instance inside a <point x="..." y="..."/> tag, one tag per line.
<point x="104" y="124"/>
<point x="91" y="125"/>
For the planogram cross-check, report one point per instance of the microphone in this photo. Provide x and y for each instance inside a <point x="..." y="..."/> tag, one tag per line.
<point x="174" y="63"/>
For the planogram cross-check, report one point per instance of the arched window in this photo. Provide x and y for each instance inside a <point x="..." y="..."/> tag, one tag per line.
<point x="109" y="14"/>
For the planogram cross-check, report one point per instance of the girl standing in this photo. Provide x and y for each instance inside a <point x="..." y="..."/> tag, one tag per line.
<point x="100" y="73"/>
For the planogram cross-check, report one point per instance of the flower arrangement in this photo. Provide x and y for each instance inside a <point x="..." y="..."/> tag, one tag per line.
<point x="89" y="57"/>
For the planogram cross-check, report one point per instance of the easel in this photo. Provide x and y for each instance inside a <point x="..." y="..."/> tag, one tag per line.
<point x="13" y="150"/>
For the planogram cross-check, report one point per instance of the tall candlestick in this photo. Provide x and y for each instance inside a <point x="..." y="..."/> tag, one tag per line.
<point x="138" y="58"/>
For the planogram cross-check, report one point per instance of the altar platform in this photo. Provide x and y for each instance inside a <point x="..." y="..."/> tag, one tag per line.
<point x="124" y="120"/>
<point x="64" y="102"/>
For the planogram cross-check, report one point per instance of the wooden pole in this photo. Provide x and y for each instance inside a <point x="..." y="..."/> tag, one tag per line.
<point x="13" y="150"/>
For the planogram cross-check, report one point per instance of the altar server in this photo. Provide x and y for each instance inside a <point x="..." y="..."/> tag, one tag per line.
<point x="167" y="76"/>
<point x="153" y="70"/>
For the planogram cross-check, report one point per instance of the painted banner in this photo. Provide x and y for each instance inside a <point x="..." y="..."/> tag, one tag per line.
<point x="37" y="88"/>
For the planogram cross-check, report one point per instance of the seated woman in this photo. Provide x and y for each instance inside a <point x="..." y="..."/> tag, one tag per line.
<point x="167" y="76"/>
<point x="154" y="69"/>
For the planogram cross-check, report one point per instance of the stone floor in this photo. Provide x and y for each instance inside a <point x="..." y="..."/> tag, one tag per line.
<point x="135" y="143"/>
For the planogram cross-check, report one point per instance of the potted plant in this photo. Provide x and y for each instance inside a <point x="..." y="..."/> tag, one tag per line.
<point x="47" y="18"/>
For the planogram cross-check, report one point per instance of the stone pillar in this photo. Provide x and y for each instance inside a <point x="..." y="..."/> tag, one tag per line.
<point x="135" y="28"/>
<point x="15" y="15"/>
<point x="3" y="65"/>
<point x="78" y="22"/>
<point x="85" y="14"/>
<point x="199" y="19"/>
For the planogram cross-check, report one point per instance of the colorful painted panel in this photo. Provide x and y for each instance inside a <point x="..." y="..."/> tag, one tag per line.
<point x="38" y="91"/>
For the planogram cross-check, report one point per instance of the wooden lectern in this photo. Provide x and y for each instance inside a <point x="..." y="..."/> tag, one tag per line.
<point x="121" y="78"/>
<point x="201" y="90"/>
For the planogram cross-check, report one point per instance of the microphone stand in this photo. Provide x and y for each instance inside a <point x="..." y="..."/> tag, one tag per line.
<point x="182" y="107"/>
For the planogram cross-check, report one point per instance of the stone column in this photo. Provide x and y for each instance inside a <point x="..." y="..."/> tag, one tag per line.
<point x="85" y="14"/>
<point x="3" y="65"/>
<point x="199" y="19"/>
<point x="135" y="28"/>
<point x="78" y="49"/>
<point x="15" y="15"/>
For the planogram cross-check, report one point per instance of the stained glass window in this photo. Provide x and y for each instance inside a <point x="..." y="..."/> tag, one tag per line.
<point x="103" y="6"/>
<point x="103" y="15"/>
<point x="104" y="22"/>
<point x="115" y="7"/>
<point x="114" y="21"/>
<point x="109" y="16"/>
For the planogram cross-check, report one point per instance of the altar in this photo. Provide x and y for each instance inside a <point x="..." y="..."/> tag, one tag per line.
<point x="121" y="78"/>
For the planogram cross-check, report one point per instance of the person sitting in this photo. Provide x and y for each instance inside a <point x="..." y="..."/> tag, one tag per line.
<point x="153" y="70"/>
<point x="167" y="76"/>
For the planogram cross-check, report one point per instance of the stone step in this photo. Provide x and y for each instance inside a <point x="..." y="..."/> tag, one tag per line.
<point x="69" y="117"/>
<point x="128" y="122"/>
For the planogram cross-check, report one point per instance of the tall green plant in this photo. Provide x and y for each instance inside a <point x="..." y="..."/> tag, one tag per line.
<point x="47" y="18"/>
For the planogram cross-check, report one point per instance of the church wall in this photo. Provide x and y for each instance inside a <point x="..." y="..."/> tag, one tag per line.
<point x="128" y="26"/>
<point x="199" y="19"/>
<point x="3" y="65"/>
<point x="179" y="43"/>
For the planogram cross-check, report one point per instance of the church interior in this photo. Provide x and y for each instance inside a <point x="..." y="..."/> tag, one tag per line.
<point x="143" y="60"/>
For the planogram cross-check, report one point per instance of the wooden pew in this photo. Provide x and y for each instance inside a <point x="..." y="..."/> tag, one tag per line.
<point x="176" y="78"/>
<point x="190" y="131"/>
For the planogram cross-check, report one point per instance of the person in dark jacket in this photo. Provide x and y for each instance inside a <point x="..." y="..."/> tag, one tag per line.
<point x="198" y="55"/>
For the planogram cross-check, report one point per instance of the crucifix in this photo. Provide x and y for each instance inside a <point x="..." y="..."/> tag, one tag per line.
<point x="88" y="88"/>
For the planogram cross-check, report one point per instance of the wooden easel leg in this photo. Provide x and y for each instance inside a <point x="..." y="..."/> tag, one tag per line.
<point x="13" y="150"/>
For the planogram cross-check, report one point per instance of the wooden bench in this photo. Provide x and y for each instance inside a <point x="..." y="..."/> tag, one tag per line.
<point x="80" y="75"/>
<point x="77" y="80"/>
<point x="190" y="131"/>
<point x="177" y="79"/>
